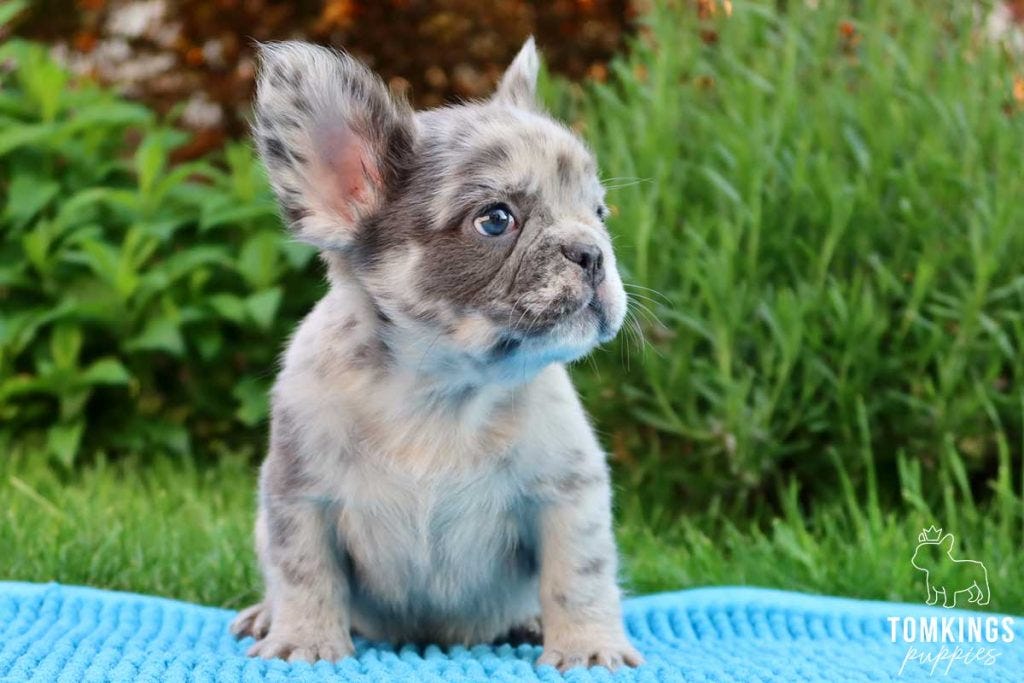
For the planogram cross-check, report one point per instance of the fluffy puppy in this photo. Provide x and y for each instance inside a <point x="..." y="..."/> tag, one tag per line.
<point x="431" y="474"/>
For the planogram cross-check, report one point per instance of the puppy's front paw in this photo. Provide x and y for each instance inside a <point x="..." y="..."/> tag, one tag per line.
<point x="252" y="621"/>
<point x="583" y="651"/>
<point x="283" y="645"/>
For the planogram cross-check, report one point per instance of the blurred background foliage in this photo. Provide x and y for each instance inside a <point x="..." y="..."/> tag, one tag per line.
<point x="196" y="57"/>
<point x="144" y="303"/>
<point x="817" y="207"/>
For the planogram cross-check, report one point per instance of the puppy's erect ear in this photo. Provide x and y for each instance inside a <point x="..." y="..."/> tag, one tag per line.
<point x="518" y="86"/>
<point x="333" y="139"/>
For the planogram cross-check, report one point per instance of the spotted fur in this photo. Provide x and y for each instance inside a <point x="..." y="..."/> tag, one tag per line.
<point x="431" y="474"/>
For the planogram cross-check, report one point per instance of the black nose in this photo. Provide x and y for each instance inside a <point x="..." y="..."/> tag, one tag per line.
<point x="588" y="257"/>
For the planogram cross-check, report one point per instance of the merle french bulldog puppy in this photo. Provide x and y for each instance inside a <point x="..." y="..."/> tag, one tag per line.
<point x="431" y="474"/>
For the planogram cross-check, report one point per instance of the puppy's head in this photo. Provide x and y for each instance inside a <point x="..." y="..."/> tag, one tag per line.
<point x="476" y="231"/>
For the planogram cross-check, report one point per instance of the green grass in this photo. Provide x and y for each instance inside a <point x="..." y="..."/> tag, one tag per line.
<point x="165" y="527"/>
<point x="850" y="546"/>
<point x="172" y="529"/>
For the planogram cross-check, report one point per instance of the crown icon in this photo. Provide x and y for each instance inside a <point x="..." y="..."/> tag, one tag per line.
<point x="930" y="535"/>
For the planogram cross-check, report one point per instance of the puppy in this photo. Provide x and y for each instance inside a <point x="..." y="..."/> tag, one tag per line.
<point x="432" y="476"/>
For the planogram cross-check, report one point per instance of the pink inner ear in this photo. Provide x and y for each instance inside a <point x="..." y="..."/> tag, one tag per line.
<point x="348" y="177"/>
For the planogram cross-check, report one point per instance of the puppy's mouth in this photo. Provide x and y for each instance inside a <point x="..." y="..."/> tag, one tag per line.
<point x="604" y="329"/>
<point x="581" y="326"/>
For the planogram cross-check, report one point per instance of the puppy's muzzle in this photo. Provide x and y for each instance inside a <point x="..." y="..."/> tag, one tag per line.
<point x="589" y="257"/>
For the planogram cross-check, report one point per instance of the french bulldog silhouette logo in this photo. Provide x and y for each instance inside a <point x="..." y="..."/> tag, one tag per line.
<point x="946" y="575"/>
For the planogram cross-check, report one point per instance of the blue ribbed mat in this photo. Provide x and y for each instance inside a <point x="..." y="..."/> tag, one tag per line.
<point x="62" y="633"/>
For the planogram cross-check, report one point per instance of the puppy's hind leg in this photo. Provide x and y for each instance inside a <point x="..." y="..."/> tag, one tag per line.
<point x="255" y="620"/>
<point x="252" y="621"/>
<point x="307" y="589"/>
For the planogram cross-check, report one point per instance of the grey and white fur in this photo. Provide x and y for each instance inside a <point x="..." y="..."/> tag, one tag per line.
<point x="431" y="474"/>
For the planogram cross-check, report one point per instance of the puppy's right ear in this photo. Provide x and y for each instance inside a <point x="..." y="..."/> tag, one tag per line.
<point x="333" y="138"/>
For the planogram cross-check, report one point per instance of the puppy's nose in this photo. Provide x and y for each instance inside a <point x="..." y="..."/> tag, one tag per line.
<point x="588" y="257"/>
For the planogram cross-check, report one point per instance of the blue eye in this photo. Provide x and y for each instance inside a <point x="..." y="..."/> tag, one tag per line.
<point x="495" y="220"/>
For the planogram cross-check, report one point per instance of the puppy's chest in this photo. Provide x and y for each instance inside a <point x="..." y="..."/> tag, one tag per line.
<point x="432" y="532"/>
<point x="434" y="504"/>
<point x="434" y="495"/>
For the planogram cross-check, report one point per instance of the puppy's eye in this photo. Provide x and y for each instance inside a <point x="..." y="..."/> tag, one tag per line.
<point x="602" y="213"/>
<point x="495" y="220"/>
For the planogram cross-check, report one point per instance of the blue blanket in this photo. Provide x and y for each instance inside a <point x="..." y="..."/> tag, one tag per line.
<point x="62" y="633"/>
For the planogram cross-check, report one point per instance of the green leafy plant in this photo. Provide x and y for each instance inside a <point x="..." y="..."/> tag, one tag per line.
<point x="141" y="302"/>
<point x="826" y="200"/>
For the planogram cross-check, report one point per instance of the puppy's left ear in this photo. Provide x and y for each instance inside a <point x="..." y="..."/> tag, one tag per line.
<point x="518" y="86"/>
